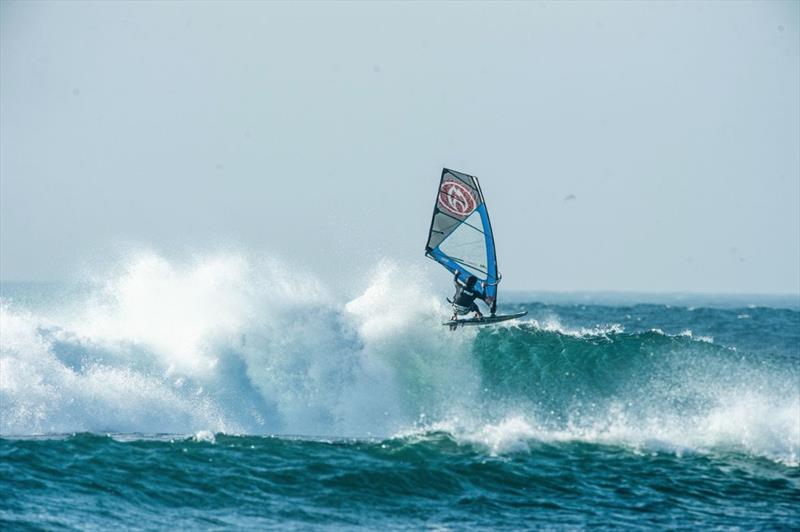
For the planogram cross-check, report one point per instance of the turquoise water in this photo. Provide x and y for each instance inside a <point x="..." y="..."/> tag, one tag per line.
<point x="169" y="397"/>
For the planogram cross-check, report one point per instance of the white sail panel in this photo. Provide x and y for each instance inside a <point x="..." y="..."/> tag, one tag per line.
<point x="466" y="245"/>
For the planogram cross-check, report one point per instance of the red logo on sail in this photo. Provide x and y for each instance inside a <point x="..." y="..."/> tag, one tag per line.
<point x="456" y="198"/>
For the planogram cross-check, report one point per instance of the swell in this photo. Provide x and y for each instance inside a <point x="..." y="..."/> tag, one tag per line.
<point x="569" y="371"/>
<point x="412" y="480"/>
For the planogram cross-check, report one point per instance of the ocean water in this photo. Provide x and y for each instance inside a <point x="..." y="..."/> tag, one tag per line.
<point x="230" y="392"/>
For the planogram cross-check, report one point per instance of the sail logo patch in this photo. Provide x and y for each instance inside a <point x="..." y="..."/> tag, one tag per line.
<point x="456" y="198"/>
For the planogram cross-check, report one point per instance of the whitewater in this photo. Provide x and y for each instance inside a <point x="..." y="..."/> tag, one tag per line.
<point x="262" y="379"/>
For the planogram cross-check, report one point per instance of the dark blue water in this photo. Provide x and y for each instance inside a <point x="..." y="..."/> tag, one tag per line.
<point x="137" y="406"/>
<point x="426" y="481"/>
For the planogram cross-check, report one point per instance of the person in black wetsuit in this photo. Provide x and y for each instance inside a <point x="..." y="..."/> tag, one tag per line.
<point x="464" y="299"/>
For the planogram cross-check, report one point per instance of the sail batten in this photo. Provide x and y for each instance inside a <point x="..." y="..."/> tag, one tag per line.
<point x="460" y="236"/>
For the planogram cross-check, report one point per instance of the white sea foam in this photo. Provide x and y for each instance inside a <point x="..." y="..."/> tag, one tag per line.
<point x="229" y="344"/>
<point x="751" y="424"/>
<point x="687" y="333"/>
<point x="205" y="436"/>
<point x="553" y="324"/>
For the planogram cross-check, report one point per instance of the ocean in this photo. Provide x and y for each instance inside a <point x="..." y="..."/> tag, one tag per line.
<point x="227" y="394"/>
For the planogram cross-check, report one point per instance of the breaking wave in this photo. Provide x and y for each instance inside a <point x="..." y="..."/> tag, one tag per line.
<point x="229" y="344"/>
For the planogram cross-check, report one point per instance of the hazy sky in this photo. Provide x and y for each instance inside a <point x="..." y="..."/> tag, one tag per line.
<point x="317" y="131"/>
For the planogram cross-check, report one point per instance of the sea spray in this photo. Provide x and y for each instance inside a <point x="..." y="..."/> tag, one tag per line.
<point x="228" y="344"/>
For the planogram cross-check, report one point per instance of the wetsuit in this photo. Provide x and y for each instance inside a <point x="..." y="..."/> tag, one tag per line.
<point x="464" y="300"/>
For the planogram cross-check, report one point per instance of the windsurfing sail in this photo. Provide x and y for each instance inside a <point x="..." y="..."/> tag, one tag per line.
<point x="460" y="237"/>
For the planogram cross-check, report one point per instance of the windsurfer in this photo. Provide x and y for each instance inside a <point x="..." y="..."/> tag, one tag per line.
<point x="465" y="296"/>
